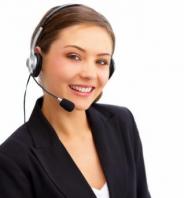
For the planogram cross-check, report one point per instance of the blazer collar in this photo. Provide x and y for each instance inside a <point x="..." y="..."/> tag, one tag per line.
<point x="62" y="169"/>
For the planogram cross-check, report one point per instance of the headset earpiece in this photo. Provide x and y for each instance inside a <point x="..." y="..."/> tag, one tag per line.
<point x="34" y="64"/>
<point x="38" y="66"/>
<point x="112" y="68"/>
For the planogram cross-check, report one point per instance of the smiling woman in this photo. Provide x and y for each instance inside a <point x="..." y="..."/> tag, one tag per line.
<point x="92" y="150"/>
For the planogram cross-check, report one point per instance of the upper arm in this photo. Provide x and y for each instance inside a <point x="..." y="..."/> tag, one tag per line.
<point x="13" y="181"/>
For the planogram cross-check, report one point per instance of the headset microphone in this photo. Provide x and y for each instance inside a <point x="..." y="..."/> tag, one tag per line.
<point x="63" y="102"/>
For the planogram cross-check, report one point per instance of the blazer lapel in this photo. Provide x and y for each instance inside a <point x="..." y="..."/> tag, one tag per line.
<point x="113" y="159"/>
<point x="59" y="165"/>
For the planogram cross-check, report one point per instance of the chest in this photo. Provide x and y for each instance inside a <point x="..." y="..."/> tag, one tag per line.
<point x="85" y="156"/>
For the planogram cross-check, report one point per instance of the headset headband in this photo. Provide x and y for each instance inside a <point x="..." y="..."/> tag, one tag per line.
<point x="44" y="20"/>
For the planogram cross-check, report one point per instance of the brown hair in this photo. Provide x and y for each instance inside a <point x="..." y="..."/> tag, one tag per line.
<point x="67" y="16"/>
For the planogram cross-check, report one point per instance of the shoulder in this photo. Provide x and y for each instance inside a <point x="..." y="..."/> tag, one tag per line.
<point x="121" y="119"/>
<point x="108" y="110"/>
<point x="17" y="145"/>
<point x="15" y="163"/>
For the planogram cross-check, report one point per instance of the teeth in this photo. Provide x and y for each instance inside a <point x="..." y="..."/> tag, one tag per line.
<point x="81" y="89"/>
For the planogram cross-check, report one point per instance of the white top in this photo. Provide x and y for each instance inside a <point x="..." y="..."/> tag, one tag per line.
<point x="103" y="192"/>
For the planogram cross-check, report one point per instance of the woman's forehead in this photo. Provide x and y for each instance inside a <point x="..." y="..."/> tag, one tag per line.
<point x="86" y="37"/>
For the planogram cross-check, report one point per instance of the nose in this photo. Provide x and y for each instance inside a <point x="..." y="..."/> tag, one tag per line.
<point x="88" y="70"/>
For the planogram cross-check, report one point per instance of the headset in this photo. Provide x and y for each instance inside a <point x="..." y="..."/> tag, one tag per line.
<point x="34" y="62"/>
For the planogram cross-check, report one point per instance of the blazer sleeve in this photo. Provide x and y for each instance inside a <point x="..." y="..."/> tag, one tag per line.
<point x="13" y="182"/>
<point x="141" y="180"/>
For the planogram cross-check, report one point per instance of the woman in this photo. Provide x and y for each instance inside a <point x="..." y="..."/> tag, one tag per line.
<point x="78" y="149"/>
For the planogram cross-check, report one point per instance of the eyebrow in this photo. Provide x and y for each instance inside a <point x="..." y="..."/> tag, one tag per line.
<point x="83" y="50"/>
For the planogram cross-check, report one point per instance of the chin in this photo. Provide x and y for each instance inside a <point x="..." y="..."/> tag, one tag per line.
<point x="82" y="107"/>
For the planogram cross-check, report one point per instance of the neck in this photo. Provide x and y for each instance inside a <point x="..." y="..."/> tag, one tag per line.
<point x="66" y="124"/>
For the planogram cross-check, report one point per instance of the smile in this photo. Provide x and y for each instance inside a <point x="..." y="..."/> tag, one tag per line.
<point x="82" y="89"/>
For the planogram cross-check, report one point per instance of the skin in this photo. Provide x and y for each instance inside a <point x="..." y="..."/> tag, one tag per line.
<point x="79" y="56"/>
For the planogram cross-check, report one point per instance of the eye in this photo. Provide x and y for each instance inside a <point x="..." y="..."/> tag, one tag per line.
<point x="102" y="62"/>
<point x="74" y="57"/>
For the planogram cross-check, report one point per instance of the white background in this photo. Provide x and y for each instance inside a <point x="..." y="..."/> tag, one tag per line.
<point x="149" y="76"/>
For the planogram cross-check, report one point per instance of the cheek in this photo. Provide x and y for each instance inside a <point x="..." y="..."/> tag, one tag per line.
<point x="103" y="77"/>
<point x="60" y="69"/>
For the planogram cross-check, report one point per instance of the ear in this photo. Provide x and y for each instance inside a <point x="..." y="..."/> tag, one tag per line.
<point x="38" y="50"/>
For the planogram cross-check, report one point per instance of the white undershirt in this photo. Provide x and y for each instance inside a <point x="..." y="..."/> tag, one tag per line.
<point x="102" y="193"/>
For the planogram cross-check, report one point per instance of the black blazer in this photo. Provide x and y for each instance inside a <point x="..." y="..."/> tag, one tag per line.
<point x="35" y="164"/>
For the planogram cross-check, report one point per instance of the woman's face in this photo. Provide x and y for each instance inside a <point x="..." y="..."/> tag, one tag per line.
<point x="77" y="64"/>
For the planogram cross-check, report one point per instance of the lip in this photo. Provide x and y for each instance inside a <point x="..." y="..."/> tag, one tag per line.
<point x="78" y="93"/>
